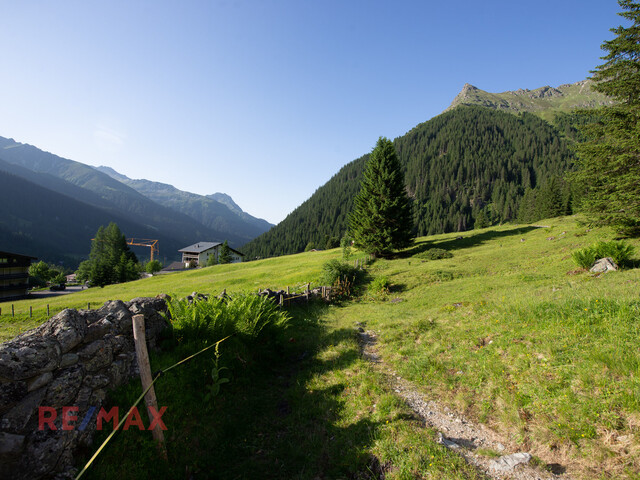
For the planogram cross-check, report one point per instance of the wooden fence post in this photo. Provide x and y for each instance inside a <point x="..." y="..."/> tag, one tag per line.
<point x="30" y="311"/>
<point x="146" y="378"/>
<point x="47" y="309"/>
<point x="307" y="292"/>
<point x="89" y="306"/>
<point x="12" y="311"/>
<point x="287" y="289"/>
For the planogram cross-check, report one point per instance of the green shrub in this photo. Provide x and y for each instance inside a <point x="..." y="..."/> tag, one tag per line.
<point x="246" y="316"/>
<point x="335" y="271"/>
<point x="379" y="286"/>
<point x="620" y="252"/>
<point x="584" y="258"/>
<point x="434" y="254"/>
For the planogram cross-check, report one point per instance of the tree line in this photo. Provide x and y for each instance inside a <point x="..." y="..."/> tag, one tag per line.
<point x="466" y="168"/>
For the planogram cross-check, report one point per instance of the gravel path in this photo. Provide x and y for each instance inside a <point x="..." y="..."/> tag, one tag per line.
<point x="454" y="431"/>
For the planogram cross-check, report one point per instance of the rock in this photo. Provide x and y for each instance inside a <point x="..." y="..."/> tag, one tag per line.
<point x="604" y="265"/>
<point x="64" y="388"/>
<point x="43" y="451"/>
<point x="11" y="393"/>
<point x="96" y="381"/>
<point x="11" y="444"/>
<point x="119" y="369"/>
<point x="120" y="342"/>
<point x="96" y="355"/>
<point x="98" y="330"/>
<point x="442" y="440"/>
<point x="24" y="416"/>
<point x="68" y="359"/>
<point x="68" y="328"/>
<point x="40" y="381"/>
<point x="508" y="463"/>
<point x="26" y="357"/>
<point x="117" y="313"/>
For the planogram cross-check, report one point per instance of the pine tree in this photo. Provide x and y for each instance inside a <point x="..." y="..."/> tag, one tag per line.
<point x="225" y="253"/>
<point x="609" y="159"/>
<point x="110" y="260"/>
<point x="381" y="220"/>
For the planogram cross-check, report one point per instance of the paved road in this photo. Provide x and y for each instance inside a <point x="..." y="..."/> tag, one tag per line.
<point x="48" y="293"/>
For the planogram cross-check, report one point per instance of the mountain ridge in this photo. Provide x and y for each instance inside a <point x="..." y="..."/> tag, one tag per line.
<point x="47" y="173"/>
<point x="224" y="216"/>
<point x="544" y="101"/>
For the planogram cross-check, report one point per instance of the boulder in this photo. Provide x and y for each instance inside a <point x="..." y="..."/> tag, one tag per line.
<point x="26" y="357"/>
<point x="508" y="463"/>
<point x="68" y="328"/>
<point x="604" y="265"/>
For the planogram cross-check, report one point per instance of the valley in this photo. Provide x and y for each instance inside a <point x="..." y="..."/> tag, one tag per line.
<point x="507" y="332"/>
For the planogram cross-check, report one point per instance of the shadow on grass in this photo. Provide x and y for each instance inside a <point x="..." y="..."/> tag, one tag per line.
<point x="273" y="420"/>
<point x="465" y="240"/>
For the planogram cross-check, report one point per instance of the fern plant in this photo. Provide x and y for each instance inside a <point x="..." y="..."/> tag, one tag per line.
<point x="619" y="251"/>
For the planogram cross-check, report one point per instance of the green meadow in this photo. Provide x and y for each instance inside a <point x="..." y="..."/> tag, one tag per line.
<point x="507" y="331"/>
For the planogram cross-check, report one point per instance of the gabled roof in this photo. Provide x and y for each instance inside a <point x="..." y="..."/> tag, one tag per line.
<point x="9" y="254"/>
<point x="199" y="247"/>
<point x="173" y="267"/>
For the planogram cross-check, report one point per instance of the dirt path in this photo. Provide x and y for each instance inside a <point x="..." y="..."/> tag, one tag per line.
<point x="456" y="432"/>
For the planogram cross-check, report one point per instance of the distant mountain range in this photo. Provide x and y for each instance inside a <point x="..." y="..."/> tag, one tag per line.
<point x="50" y="207"/>
<point x="217" y="211"/>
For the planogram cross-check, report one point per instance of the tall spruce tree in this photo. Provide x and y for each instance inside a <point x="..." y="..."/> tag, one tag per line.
<point x="225" y="253"/>
<point x="609" y="159"/>
<point x="381" y="220"/>
<point x="110" y="260"/>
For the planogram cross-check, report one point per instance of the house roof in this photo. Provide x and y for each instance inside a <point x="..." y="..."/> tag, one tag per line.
<point x="9" y="254"/>
<point x="173" y="267"/>
<point x="199" y="247"/>
<point x="204" y="246"/>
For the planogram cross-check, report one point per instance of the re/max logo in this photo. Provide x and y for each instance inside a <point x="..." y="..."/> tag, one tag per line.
<point x="48" y="415"/>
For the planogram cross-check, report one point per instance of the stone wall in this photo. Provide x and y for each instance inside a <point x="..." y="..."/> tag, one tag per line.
<point x="73" y="359"/>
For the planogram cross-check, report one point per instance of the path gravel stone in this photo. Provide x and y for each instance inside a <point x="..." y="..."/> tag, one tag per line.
<point x="454" y="431"/>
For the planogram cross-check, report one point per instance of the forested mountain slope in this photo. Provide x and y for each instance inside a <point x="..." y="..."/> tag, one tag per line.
<point x="54" y="227"/>
<point x="466" y="165"/>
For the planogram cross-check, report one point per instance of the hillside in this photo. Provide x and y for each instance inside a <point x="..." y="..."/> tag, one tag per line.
<point x="506" y="333"/>
<point x="465" y="164"/>
<point x="217" y="211"/>
<point x="55" y="227"/>
<point x="545" y="101"/>
<point x="84" y="184"/>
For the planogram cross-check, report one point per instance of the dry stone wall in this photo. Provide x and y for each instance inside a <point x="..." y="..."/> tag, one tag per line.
<point x="71" y="360"/>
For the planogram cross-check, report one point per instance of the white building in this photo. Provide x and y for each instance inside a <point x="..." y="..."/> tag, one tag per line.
<point x="201" y="251"/>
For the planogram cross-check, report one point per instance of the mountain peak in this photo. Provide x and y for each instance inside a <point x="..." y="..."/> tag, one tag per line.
<point x="543" y="101"/>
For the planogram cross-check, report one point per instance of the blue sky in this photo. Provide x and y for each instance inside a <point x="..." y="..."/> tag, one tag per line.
<point x="265" y="100"/>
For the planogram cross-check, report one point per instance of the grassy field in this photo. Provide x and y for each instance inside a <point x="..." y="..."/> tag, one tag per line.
<point x="507" y="331"/>
<point x="275" y="273"/>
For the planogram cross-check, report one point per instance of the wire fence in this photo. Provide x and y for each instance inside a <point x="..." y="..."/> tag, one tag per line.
<point x="7" y="310"/>
<point x="156" y="377"/>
